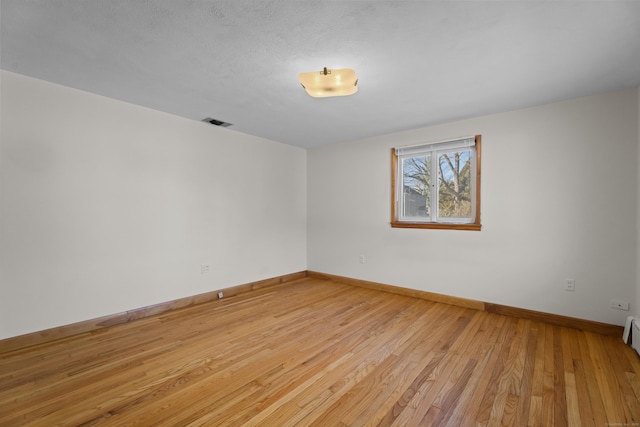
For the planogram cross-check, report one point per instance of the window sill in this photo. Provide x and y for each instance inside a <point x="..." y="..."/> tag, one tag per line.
<point x="437" y="225"/>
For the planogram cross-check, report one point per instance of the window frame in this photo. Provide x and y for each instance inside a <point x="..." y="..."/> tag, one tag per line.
<point x="474" y="225"/>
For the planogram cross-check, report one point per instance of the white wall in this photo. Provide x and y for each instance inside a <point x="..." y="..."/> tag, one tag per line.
<point x="637" y="307"/>
<point x="107" y="206"/>
<point x="559" y="200"/>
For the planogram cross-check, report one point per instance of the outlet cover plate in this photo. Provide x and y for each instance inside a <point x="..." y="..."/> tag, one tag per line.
<point x="620" y="305"/>
<point x="570" y="285"/>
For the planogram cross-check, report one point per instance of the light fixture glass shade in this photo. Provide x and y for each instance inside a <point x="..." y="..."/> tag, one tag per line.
<point x="321" y="84"/>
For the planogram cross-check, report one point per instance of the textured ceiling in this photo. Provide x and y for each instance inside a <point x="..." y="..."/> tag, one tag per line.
<point x="419" y="62"/>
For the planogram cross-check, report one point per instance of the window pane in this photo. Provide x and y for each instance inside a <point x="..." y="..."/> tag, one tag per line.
<point x="416" y="188"/>
<point x="454" y="184"/>
<point x="436" y="185"/>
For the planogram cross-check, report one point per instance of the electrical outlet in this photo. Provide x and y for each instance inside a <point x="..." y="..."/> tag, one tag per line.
<point x="570" y="285"/>
<point x="619" y="305"/>
<point x="220" y="295"/>
<point x="205" y="268"/>
<point x="361" y="259"/>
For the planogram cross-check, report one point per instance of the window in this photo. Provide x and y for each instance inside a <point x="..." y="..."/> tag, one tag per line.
<point x="437" y="185"/>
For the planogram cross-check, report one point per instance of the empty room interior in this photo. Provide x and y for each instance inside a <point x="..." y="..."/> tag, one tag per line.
<point x="331" y="213"/>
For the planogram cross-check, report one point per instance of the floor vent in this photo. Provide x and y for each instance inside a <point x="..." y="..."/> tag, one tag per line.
<point x="216" y="122"/>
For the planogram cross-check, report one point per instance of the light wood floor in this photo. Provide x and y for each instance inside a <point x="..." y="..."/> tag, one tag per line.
<point x="321" y="353"/>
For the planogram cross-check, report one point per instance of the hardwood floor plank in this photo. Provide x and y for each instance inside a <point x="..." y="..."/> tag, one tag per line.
<point x="503" y="410"/>
<point x="619" y="368"/>
<point x="378" y="328"/>
<point x="593" y="392"/>
<point x="274" y="359"/>
<point x="548" y="380"/>
<point x="606" y="379"/>
<point x="382" y="388"/>
<point x="435" y="375"/>
<point x="317" y="352"/>
<point x="489" y="394"/>
<point x="571" y="354"/>
<point x="559" y="386"/>
<point x="424" y="343"/>
<point x="473" y="393"/>
<point x="376" y="412"/>
<point x="537" y="385"/>
<point x="469" y="346"/>
<point x="573" y="408"/>
<point x="526" y="384"/>
<point x="423" y="362"/>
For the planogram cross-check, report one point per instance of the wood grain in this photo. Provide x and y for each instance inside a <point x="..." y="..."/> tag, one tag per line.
<point x="431" y="296"/>
<point x="319" y="352"/>
<point x="65" y="331"/>
<point x="558" y="320"/>
<point x="94" y="325"/>
<point x="554" y="319"/>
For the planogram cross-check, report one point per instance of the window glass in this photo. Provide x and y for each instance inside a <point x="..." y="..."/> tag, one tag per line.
<point x="417" y="186"/>
<point x="437" y="185"/>
<point x="454" y="185"/>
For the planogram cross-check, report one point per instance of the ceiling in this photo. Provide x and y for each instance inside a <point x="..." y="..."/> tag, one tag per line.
<point x="418" y="62"/>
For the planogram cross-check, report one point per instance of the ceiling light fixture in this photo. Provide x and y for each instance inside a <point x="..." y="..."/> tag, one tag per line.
<point x="325" y="83"/>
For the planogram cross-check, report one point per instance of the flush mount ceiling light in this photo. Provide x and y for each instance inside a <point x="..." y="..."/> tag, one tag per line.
<point x="325" y="83"/>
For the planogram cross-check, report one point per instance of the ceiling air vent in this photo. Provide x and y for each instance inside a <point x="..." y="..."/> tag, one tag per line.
<point x="216" y="122"/>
